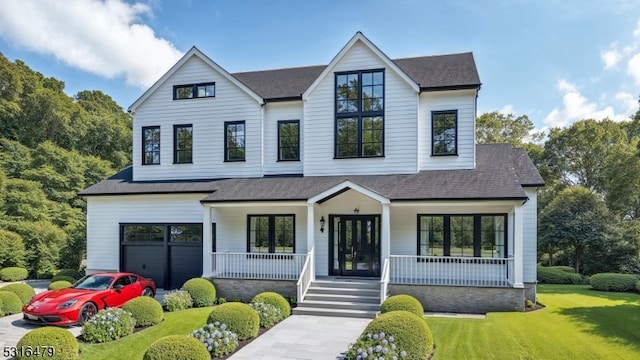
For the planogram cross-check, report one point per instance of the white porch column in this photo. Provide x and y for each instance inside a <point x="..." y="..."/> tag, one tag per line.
<point x="311" y="222"/>
<point x="518" y="247"/>
<point x="385" y="236"/>
<point x="206" y="241"/>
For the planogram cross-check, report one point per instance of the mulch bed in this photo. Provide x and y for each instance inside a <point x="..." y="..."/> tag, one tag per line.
<point x="535" y="307"/>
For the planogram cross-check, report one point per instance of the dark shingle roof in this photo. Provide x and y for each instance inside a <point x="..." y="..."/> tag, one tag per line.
<point x="500" y="173"/>
<point x="430" y="72"/>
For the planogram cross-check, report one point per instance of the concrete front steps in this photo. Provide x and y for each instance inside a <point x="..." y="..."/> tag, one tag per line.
<point x="341" y="297"/>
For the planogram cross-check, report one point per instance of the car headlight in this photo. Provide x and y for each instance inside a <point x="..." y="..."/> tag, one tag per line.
<point x="68" y="304"/>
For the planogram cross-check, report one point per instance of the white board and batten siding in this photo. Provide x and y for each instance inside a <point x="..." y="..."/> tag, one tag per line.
<point x="464" y="101"/>
<point x="400" y="123"/>
<point x="274" y="112"/>
<point x="106" y="213"/>
<point x="207" y="115"/>
<point x="530" y="235"/>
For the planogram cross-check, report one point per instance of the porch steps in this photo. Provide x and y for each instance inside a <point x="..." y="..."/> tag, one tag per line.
<point x="341" y="297"/>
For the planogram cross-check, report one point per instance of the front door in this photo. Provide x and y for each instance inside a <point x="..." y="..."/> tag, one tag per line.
<point x="355" y="241"/>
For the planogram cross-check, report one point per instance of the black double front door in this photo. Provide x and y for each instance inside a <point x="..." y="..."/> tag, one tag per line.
<point x="355" y="245"/>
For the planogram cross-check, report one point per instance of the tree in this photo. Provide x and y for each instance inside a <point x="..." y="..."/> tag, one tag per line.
<point x="496" y="127"/>
<point x="576" y="221"/>
<point x="12" y="251"/>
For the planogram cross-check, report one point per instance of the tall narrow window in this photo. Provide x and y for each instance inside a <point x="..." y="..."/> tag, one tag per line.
<point x="288" y="140"/>
<point x="234" y="145"/>
<point x="183" y="144"/>
<point x="359" y="104"/>
<point x="462" y="236"/>
<point x="431" y="242"/>
<point x="151" y="145"/>
<point x="271" y="234"/>
<point x="444" y="130"/>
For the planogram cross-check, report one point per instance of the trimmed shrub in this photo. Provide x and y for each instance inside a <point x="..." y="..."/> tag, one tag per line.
<point x="73" y="273"/>
<point x="276" y="300"/>
<point x="551" y="275"/>
<point x="409" y="332"/>
<point x="63" y="278"/>
<point x="145" y="310"/>
<point x="614" y="282"/>
<point x="567" y="269"/>
<point x="25" y="292"/>
<point x="239" y="317"/>
<point x="177" y="347"/>
<point x="202" y="291"/>
<point x="13" y="274"/>
<point x="108" y="325"/>
<point x="269" y="314"/>
<point x="177" y="300"/>
<point x="11" y="303"/>
<point x="12" y="251"/>
<point x="402" y="302"/>
<point x="60" y="284"/>
<point x="217" y="338"/>
<point x="51" y="342"/>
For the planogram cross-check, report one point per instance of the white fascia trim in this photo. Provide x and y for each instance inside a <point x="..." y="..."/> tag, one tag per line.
<point x="350" y="185"/>
<point x="254" y="204"/>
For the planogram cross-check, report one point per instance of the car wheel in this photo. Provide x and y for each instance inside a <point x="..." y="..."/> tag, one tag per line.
<point x="147" y="292"/>
<point x="87" y="312"/>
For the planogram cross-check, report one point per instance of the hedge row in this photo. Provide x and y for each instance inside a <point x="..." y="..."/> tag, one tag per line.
<point x="557" y="275"/>
<point x="614" y="282"/>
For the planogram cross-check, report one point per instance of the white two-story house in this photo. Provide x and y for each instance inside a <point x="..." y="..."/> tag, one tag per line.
<point x="361" y="171"/>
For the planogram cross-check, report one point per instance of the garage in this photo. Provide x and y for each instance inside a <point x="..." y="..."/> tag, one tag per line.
<point x="170" y="254"/>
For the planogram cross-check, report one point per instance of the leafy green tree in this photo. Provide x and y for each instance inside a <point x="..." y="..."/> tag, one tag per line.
<point x="43" y="241"/>
<point x="25" y="200"/>
<point x="496" y="128"/>
<point x="12" y="251"/>
<point x="14" y="157"/>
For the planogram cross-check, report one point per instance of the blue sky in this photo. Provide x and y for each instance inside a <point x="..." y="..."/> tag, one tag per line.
<point x="556" y="61"/>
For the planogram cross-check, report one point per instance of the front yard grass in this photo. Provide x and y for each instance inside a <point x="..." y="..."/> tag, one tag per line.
<point x="132" y="347"/>
<point x="577" y="323"/>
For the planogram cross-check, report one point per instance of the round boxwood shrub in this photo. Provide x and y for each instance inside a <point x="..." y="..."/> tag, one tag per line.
<point x="409" y="332"/>
<point x="276" y="300"/>
<point x="11" y="303"/>
<point x="202" y="291"/>
<point x="73" y="273"/>
<point x="239" y="317"/>
<point x="613" y="282"/>
<point x="217" y="338"/>
<point x="567" y="269"/>
<point x="551" y="275"/>
<point x="60" y="284"/>
<point x="13" y="274"/>
<point x="108" y="325"/>
<point x="24" y="291"/>
<point x="145" y="310"/>
<point x="63" y="278"/>
<point x="177" y="300"/>
<point x="402" y="302"/>
<point x="52" y="343"/>
<point x="177" y="347"/>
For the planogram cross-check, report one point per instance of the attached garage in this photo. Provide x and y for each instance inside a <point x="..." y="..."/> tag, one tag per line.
<point x="170" y="254"/>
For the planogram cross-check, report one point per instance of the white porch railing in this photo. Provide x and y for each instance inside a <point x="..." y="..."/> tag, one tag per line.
<point x="384" y="281"/>
<point x="257" y="266"/>
<point x="452" y="271"/>
<point x="306" y="276"/>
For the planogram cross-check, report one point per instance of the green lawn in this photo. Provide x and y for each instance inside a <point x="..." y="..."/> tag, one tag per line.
<point x="577" y="323"/>
<point x="133" y="346"/>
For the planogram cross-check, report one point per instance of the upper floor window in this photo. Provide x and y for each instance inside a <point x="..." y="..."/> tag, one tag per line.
<point x="151" y="145"/>
<point x="183" y="144"/>
<point x="288" y="140"/>
<point x="444" y="130"/>
<point x="190" y="91"/>
<point x="359" y="129"/>
<point x="234" y="146"/>
<point x="271" y="234"/>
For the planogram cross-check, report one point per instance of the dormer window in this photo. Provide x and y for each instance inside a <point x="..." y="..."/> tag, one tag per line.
<point x="190" y="91"/>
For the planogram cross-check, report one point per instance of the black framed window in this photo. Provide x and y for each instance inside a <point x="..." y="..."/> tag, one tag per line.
<point x="359" y="108"/>
<point x="271" y="234"/>
<point x="444" y="131"/>
<point x="143" y="233"/>
<point x="183" y="144"/>
<point x="190" y="91"/>
<point x="463" y="235"/>
<point x="151" y="145"/>
<point x="288" y="140"/>
<point x="188" y="233"/>
<point x="174" y="233"/>
<point x="234" y="143"/>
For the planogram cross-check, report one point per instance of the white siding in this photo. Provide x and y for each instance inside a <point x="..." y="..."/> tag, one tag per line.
<point x="207" y="116"/>
<point x="105" y="213"/>
<point x="400" y="123"/>
<point x="530" y="236"/>
<point x="274" y="112"/>
<point x="464" y="102"/>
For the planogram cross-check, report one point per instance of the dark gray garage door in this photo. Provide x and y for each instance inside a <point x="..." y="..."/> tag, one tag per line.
<point x="170" y="254"/>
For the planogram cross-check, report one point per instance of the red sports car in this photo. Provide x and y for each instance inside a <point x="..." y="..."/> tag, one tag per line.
<point x="92" y="293"/>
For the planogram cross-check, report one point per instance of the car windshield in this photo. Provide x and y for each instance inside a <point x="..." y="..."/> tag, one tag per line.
<point x="94" y="282"/>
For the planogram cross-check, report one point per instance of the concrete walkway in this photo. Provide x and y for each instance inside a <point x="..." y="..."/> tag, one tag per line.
<point x="305" y="337"/>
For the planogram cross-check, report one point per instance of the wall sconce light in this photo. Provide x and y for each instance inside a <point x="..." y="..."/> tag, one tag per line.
<point x="356" y="211"/>
<point x="322" y="224"/>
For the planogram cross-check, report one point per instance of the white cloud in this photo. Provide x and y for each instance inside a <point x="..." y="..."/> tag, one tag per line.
<point x="636" y="32"/>
<point x="106" y="38"/>
<point x="628" y="101"/>
<point x="633" y="67"/>
<point x="577" y="107"/>
<point x="507" y="109"/>
<point x="610" y="58"/>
